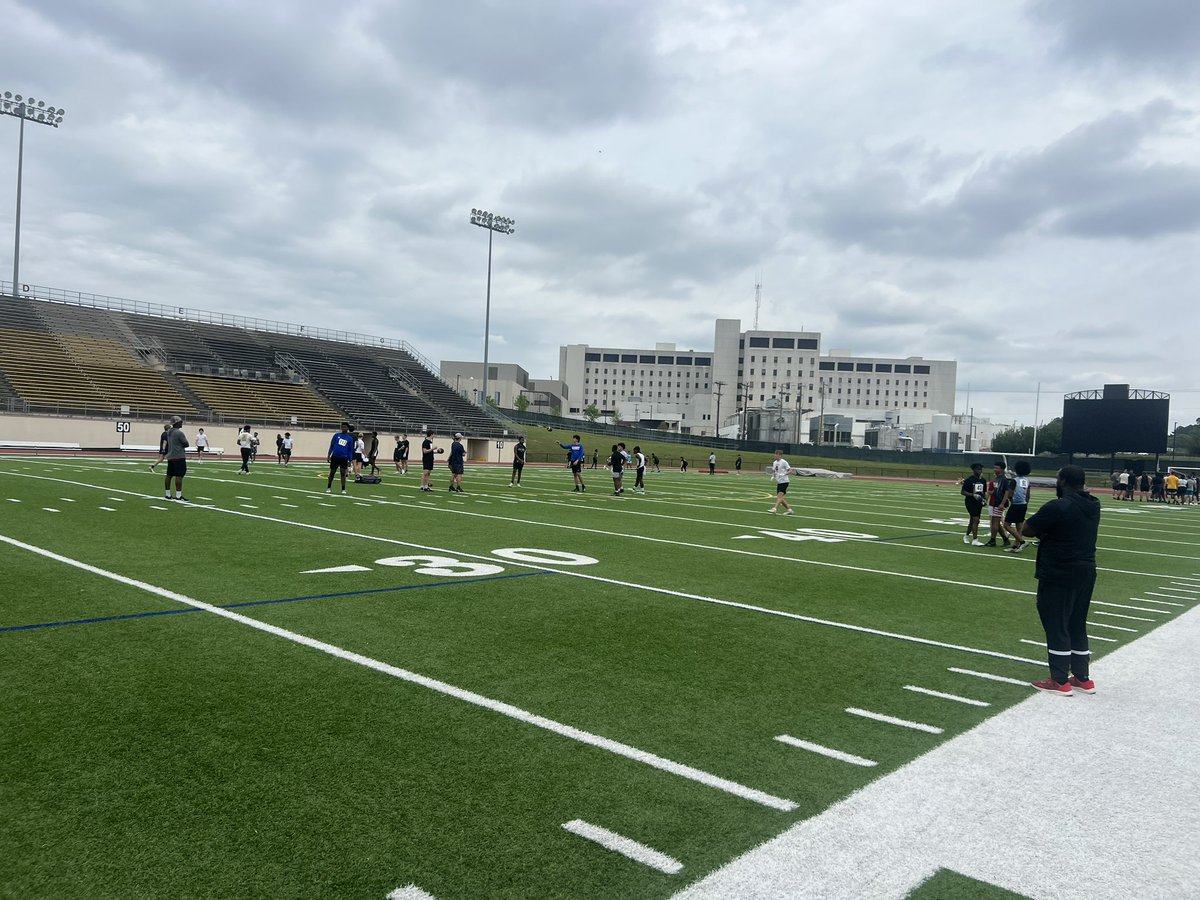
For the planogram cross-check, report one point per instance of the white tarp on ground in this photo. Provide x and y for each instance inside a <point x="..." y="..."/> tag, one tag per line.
<point x="820" y="473"/>
<point x="1011" y="803"/>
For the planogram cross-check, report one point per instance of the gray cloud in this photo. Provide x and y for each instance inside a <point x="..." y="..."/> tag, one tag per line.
<point x="1088" y="183"/>
<point x="1151" y="34"/>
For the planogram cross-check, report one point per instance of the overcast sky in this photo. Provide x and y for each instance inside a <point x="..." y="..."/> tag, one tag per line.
<point x="1015" y="185"/>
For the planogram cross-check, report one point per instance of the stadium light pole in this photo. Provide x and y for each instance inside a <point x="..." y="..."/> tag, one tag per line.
<point x="25" y="108"/>
<point x="493" y="224"/>
<point x="718" y="385"/>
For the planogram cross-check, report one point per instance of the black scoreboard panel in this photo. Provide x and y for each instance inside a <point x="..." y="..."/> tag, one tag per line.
<point x="1114" y="425"/>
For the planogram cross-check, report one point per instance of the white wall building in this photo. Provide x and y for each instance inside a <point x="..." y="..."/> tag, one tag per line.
<point x="771" y="385"/>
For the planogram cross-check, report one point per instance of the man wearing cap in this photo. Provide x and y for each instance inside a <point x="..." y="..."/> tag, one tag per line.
<point x="974" y="490"/>
<point x="458" y="454"/>
<point x="176" y="453"/>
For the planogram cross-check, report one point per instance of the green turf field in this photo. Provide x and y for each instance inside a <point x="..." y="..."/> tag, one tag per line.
<point x="275" y="692"/>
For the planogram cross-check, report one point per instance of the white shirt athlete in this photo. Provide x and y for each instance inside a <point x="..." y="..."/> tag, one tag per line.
<point x="244" y="439"/>
<point x="201" y="442"/>
<point x="780" y="468"/>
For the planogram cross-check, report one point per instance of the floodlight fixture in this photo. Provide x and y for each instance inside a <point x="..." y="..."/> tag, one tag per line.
<point x="499" y="225"/>
<point x="27" y="109"/>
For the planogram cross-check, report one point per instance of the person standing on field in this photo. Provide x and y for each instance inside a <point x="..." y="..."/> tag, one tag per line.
<point x="177" y="444"/>
<point x="712" y="464"/>
<point x="1066" y="529"/>
<point x="285" y="448"/>
<point x="576" y="454"/>
<point x="737" y="464"/>
<point x="999" y="496"/>
<point x="341" y="451"/>
<point x="518" y="463"/>
<point x="458" y="455"/>
<point x="639" y="484"/>
<point x="201" y="445"/>
<point x="1019" y="505"/>
<point x="974" y="492"/>
<point x="245" y="441"/>
<point x="162" y="446"/>
<point x="781" y="471"/>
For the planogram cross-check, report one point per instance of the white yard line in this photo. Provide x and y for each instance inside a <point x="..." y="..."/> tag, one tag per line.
<point x="1161" y="612"/>
<point x="989" y="676"/>
<point x="1092" y="624"/>
<point x="410" y="892"/>
<point x="1162" y="602"/>
<point x="1173" y="596"/>
<point x="892" y="720"/>
<point x="441" y="687"/>
<point x="928" y="642"/>
<point x="955" y="697"/>
<point x="826" y="751"/>
<point x="627" y="847"/>
<point x="1100" y="612"/>
<point x="981" y="803"/>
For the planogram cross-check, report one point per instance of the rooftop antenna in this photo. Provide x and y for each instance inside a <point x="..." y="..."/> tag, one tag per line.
<point x="757" y="298"/>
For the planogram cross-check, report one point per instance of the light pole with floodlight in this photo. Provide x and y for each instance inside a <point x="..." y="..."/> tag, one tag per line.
<point x="34" y="111"/>
<point x="493" y="224"/>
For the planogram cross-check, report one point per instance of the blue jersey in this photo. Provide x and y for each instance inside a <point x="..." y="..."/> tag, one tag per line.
<point x="457" y="453"/>
<point x="342" y="446"/>
<point x="577" y="452"/>
<point x="1020" y="491"/>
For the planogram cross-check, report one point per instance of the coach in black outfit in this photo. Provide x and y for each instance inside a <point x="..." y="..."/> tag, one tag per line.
<point x="1066" y="574"/>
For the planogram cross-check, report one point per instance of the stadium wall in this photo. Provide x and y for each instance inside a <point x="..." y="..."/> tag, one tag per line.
<point x="102" y="434"/>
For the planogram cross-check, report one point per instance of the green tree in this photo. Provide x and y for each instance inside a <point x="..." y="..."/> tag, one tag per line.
<point x="591" y="412"/>
<point x="522" y="403"/>
<point x="1020" y="440"/>
<point x="556" y="410"/>
<point x="616" y="415"/>
<point x="1050" y="437"/>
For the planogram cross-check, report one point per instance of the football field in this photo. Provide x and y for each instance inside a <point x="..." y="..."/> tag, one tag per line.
<point x="272" y="691"/>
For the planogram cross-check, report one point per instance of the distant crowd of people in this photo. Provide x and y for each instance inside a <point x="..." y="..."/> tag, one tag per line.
<point x="1179" y="488"/>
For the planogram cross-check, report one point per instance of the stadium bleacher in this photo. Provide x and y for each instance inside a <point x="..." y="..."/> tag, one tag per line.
<point x="76" y="357"/>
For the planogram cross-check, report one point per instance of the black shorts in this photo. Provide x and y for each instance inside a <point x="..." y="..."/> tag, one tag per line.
<point x="286" y="454"/>
<point x="1016" y="513"/>
<point x="427" y="463"/>
<point x="338" y="463"/>
<point x="176" y="467"/>
<point x="455" y="468"/>
<point x="974" y="507"/>
<point x="577" y="466"/>
<point x="518" y="464"/>
<point x="781" y="488"/>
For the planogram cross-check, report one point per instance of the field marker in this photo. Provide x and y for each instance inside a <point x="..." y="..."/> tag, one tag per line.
<point x="1092" y="624"/>
<point x="825" y="751"/>
<point x="505" y="709"/>
<point x="892" y="720"/>
<point x="1161" y="612"/>
<point x="410" y="892"/>
<point x="243" y="498"/>
<point x="989" y="676"/>
<point x="1163" y="602"/>
<point x="66" y="499"/>
<point x="198" y="497"/>
<point x="13" y="500"/>
<point x="108" y="509"/>
<point x="326" y="504"/>
<point x="52" y="509"/>
<point x="1182" y="587"/>
<point x="158" y="507"/>
<point x="955" y="697"/>
<point x="1173" y="596"/>
<point x="360" y="503"/>
<point x="247" y="506"/>
<point x="122" y="499"/>
<point x="290" y="505"/>
<point x="1101" y="612"/>
<point x="277" y="497"/>
<point x="336" y="569"/>
<point x="627" y="847"/>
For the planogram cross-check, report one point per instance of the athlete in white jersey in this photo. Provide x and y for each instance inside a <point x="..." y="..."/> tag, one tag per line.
<point x="781" y="471"/>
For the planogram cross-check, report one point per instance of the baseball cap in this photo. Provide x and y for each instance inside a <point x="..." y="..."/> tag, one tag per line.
<point x="175" y="420"/>
<point x="458" y="436"/>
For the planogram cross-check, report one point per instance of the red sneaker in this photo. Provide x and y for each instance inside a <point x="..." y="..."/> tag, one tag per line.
<point x="1050" y="686"/>
<point x="1084" y="686"/>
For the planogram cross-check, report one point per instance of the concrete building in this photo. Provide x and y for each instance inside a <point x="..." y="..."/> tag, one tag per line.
<point x="506" y="382"/>
<point x="766" y="385"/>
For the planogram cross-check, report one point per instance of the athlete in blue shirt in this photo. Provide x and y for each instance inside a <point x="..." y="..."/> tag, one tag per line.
<point x="341" y="451"/>
<point x="575" y="460"/>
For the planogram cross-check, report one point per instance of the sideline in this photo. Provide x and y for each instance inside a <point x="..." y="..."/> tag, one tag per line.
<point x="1010" y="804"/>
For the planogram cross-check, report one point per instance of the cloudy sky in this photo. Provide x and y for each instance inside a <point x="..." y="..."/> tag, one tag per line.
<point x="1012" y="184"/>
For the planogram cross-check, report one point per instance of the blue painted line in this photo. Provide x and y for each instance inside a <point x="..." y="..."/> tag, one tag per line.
<point x="176" y="612"/>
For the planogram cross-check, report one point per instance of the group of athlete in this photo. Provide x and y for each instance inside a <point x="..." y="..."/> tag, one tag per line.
<point x="1174" y="488"/>
<point x="1007" y="502"/>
